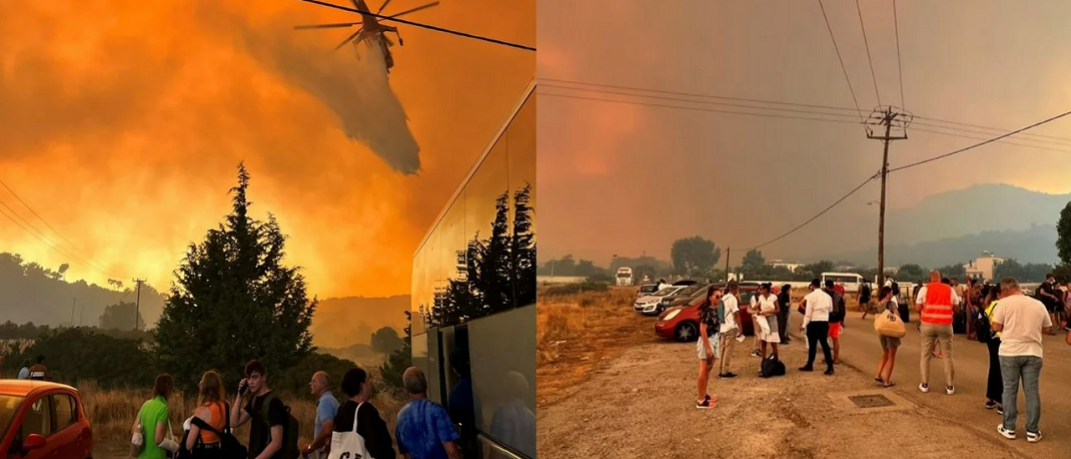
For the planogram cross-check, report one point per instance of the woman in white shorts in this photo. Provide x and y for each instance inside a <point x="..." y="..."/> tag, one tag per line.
<point x="707" y="345"/>
<point x="768" y="309"/>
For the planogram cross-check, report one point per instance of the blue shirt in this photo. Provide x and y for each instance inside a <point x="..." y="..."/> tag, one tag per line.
<point x="423" y="426"/>
<point x="326" y="409"/>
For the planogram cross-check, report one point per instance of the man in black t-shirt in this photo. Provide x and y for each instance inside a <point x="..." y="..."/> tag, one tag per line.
<point x="864" y="298"/>
<point x="263" y="443"/>
<point x="1048" y="294"/>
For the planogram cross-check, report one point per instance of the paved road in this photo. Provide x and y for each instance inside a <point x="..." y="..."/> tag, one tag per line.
<point x="860" y="349"/>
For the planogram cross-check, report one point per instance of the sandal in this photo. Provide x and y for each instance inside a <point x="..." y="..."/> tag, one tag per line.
<point x="888" y="385"/>
<point x="878" y="379"/>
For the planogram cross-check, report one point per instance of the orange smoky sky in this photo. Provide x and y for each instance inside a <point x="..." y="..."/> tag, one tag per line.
<point x="620" y="178"/>
<point x="122" y="123"/>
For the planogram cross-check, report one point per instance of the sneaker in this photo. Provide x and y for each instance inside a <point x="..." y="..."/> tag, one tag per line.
<point x="1009" y="434"/>
<point x="704" y="405"/>
<point x="806" y="368"/>
<point x="1000" y="410"/>
<point x="924" y="387"/>
<point x="950" y="390"/>
<point x="990" y="405"/>
<point x="828" y="372"/>
<point x="756" y="354"/>
<point x="729" y="375"/>
<point x="1033" y="437"/>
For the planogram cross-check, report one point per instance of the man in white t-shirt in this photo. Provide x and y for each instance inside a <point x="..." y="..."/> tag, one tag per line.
<point x="816" y="324"/>
<point x="1021" y="321"/>
<point x="730" y="329"/>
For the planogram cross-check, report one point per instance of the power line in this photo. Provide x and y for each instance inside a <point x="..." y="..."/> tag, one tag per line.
<point x="691" y="94"/>
<point x="692" y="100"/>
<point x="802" y="118"/>
<point x="424" y="26"/>
<point x="819" y="214"/>
<point x="1005" y="142"/>
<point x="1026" y="134"/>
<point x="993" y="130"/>
<point x="962" y="150"/>
<point x="839" y="58"/>
<point x="48" y="242"/>
<point x="700" y="109"/>
<point x="42" y="219"/>
<point x="873" y="76"/>
<point x="899" y="64"/>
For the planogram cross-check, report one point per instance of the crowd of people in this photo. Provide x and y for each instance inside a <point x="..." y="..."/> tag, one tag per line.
<point x="1010" y="322"/>
<point x="424" y="429"/>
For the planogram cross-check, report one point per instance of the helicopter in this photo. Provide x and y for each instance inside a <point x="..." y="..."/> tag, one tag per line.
<point x="371" y="29"/>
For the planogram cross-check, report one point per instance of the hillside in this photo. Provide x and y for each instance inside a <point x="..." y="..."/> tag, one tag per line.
<point x="1034" y="245"/>
<point x="33" y="293"/>
<point x="945" y="226"/>
<point x="343" y="322"/>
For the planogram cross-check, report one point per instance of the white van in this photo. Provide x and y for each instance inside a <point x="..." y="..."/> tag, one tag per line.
<point x="852" y="282"/>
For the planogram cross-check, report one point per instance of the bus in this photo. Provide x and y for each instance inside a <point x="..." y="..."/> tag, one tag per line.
<point x="624" y="277"/>
<point x="851" y="281"/>
<point x="478" y="352"/>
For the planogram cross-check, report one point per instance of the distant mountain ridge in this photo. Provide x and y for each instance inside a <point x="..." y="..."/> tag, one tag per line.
<point x="1034" y="245"/>
<point x="343" y="322"/>
<point x="945" y="228"/>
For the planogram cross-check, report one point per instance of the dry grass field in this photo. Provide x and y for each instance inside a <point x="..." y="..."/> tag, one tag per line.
<point x="112" y="413"/>
<point x="576" y="332"/>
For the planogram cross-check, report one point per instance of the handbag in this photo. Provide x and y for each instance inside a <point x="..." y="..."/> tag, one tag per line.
<point x="889" y="324"/>
<point x="137" y="438"/>
<point x="347" y="445"/>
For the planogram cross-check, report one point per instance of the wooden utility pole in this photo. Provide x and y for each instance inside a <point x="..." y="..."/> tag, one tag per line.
<point x="887" y="117"/>
<point x="728" y="253"/>
<point x="137" y="305"/>
<point x="73" y="302"/>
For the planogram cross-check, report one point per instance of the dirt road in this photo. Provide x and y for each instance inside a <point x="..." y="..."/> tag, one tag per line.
<point x="641" y="404"/>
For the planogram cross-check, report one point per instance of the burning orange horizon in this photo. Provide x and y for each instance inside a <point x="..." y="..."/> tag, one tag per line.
<point x="121" y="123"/>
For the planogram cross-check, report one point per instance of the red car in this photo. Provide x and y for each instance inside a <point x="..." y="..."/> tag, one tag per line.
<point x="682" y="323"/>
<point x="40" y="419"/>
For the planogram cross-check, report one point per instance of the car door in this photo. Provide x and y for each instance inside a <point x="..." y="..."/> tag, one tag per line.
<point x="67" y="433"/>
<point x="37" y="419"/>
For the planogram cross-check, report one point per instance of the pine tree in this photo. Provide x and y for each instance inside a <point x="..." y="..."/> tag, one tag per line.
<point x="234" y="300"/>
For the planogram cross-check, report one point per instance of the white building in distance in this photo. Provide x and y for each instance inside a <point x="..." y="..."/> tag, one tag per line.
<point x="781" y="264"/>
<point x="983" y="267"/>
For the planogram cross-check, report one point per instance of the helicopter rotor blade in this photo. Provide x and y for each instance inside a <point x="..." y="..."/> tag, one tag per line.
<point x="381" y="8"/>
<point x="414" y="10"/>
<point x="326" y="26"/>
<point x="349" y="38"/>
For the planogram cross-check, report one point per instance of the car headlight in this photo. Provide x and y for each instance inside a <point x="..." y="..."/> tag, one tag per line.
<point x="672" y="314"/>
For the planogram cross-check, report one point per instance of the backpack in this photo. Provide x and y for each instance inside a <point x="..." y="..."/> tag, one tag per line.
<point x="772" y="366"/>
<point x="290" y="430"/>
<point x="839" y="309"/>
<point x="721" y="314"/>
<point x="230" y="447"/>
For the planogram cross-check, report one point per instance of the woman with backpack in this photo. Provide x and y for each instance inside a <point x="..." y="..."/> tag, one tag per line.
<point x="707" y="345"/>
<point x="994" y="390"/>
<point x="887" y="303"/>
<point x="211" y="411"/>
